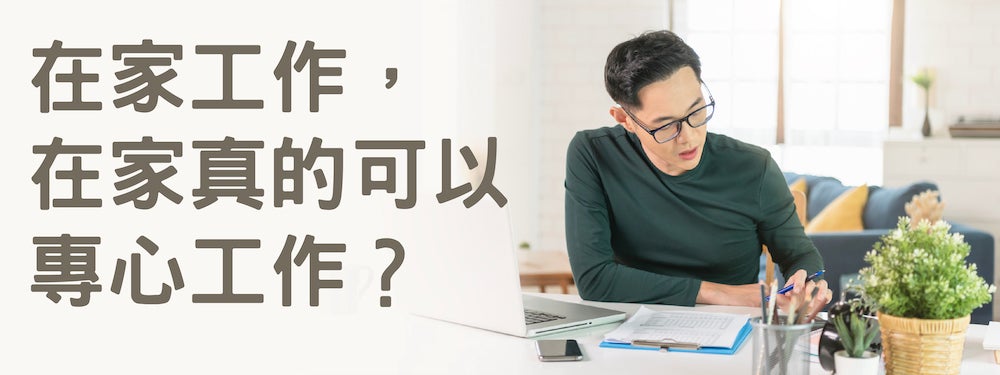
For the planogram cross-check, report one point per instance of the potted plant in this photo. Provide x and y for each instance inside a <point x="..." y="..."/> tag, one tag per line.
<point x="924" y="293"/>
<point x="856" y="333"/>
<point x="924" y="79"/>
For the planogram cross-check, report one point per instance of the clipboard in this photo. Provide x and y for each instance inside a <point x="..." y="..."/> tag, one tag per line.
<point x="685" y="348"/>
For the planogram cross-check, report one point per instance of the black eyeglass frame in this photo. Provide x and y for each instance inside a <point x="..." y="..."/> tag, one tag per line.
<point x="677" y="123"/>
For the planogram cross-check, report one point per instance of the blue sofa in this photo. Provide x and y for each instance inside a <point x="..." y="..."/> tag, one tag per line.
<point x="843" y="252"/>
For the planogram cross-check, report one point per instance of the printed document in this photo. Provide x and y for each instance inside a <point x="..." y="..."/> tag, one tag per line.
<point x="702" y="328"/>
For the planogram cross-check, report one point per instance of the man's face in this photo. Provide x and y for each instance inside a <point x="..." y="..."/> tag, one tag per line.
<point x="663" y="102"/>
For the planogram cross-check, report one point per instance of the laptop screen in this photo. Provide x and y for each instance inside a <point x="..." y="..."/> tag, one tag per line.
<point x="464" y="268"/>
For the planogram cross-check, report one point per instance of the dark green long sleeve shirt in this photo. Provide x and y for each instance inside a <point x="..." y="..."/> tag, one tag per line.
<point x="636" y="234"/>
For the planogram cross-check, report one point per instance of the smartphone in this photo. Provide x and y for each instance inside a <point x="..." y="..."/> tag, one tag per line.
<point x="558" y="350"/>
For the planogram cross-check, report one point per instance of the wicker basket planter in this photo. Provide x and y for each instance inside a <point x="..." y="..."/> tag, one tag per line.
<point x="922" y="346"/>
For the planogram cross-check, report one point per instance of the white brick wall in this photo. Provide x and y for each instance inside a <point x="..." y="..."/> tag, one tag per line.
<point x="576" y="39"/>
<point x="960" y="41"/>
<point x="479" y="78"/>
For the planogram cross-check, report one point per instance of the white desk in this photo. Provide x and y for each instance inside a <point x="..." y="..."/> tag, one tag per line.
<point x="446" y="348"/>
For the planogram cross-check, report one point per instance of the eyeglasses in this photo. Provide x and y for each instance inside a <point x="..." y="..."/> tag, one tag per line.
<point x="696" y="118"/>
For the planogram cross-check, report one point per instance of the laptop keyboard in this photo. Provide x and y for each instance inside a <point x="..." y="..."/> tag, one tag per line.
<point x="535" y="316"/>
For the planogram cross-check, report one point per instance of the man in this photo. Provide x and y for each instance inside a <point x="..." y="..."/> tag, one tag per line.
<point x="658" y="210"/>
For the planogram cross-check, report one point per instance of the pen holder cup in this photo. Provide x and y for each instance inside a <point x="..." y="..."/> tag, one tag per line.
<point x="780" y="349"/>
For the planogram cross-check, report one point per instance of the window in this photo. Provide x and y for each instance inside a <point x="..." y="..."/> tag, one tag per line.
<point x="834" y="70"/>
<point x="737" y="41"/>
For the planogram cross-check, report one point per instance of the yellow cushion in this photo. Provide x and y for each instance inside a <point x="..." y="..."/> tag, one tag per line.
<point x="799" y="185"/>
<point x="843" y="214"/>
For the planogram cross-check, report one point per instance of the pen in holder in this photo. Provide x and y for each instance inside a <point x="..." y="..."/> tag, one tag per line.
<point x="780" y="348"/>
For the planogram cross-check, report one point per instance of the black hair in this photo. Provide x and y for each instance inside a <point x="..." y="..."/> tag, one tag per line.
<point x="647" y="58"/>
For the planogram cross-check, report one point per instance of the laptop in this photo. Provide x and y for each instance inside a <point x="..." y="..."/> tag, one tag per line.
<point x="467" y="274"/>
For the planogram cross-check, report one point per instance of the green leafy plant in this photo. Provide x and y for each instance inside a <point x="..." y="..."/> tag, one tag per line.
<point x="923" y="79"/>
<point x="920" y="272"/>
<point x="855" y="332"/>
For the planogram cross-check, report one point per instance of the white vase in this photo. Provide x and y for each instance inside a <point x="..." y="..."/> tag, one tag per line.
<point x="868" y="364"/>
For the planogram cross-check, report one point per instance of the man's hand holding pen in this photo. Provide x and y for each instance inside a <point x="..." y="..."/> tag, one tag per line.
<point x="809" y="296"/>
<point x="805" y="299"/>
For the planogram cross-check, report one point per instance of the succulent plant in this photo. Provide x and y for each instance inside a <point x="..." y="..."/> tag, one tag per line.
<point x="856" y="332"/>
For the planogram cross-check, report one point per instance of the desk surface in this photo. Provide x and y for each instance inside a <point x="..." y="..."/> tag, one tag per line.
<point x="441" y="347"/>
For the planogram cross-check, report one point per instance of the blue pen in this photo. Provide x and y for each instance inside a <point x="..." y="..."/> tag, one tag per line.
<point x="790" y="287"/>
